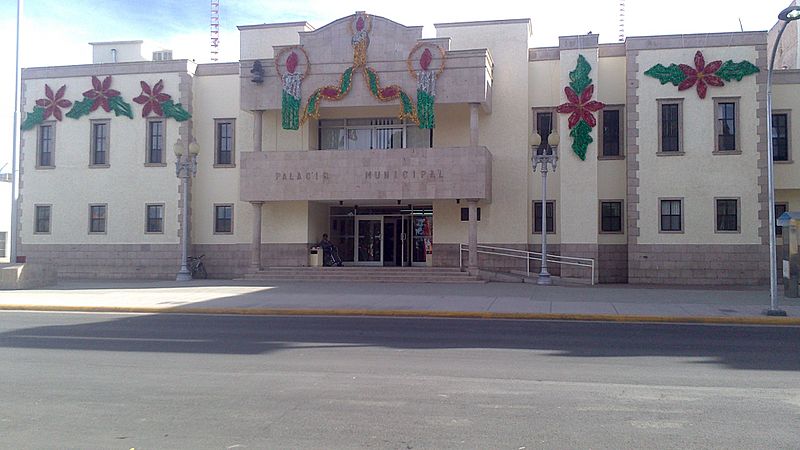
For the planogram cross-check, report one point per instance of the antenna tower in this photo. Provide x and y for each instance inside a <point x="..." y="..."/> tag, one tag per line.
<point x="214" y="30"/>
<point x="622" y="20"/>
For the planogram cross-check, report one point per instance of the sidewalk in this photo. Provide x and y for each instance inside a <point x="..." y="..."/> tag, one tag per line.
<point x="490" y="300"/>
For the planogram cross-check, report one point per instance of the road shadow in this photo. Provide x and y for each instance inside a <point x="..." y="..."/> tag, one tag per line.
<point x="736" y="347"/>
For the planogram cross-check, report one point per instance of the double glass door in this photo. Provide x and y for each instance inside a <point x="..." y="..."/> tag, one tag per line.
<point x="385" y="240"/>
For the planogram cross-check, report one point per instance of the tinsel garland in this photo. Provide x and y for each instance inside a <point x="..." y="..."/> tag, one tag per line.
<point x="702" y="75"/>
<point x="426" y="82"/>
<point x="580" y="106"/>
<point x="290" y="112"/>
<point x="425" y="112"/>
<point x="100" y="96"/>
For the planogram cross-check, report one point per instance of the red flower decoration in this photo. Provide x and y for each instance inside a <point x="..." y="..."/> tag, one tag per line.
<point x="330" y="92"/>
<point x="581" y="108"/>
<point x="100" y="93"/>
<point x="291" y="62"/>
<point x="703" y="74"/>
<point x="360" y="24"/>
<point x="152" y="99"/>
<point x="425" y="59"/>
<point x="388" y="92"/>
<point x="53" y="103"/>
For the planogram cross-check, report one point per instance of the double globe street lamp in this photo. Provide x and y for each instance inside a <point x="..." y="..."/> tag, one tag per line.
<point x="185" y="168"/>
<point x="544" y="155"/>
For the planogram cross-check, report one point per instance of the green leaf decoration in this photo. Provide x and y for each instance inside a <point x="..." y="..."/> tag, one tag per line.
<point x="736" y="71"/>
<point x="672" y="74"/>
<point x="175" y="110"/>
<point x="80" y="108"/>
<point x="347" y="78"/>
<point x="581" y="138"/>
<point x="427" y="120"/>
<point x="312" y="103"/>
<point x="290" y="112"/>
<point x="373" y="82"/>
<point x="33" y="118"/>
<point x="579" y="78"/>
<point x="120" y="107"/>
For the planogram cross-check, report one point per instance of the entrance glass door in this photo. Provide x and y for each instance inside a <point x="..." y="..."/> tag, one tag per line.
<point x="369" y="243"/>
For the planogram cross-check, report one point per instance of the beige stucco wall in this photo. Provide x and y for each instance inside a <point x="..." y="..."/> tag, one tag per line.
<point x="504" y="132"/>
<point x="610" y="79"/>
<point x="256" y="42"/>
<point x="126" y="186"/>
<point x="698" y="176"/>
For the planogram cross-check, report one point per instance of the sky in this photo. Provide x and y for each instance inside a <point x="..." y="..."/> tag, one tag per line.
<point x="57" y="32"/>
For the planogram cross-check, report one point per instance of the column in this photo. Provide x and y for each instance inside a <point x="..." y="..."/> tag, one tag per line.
<point x="473" y="124"/>
<point x="255" y="246"/>
<point x="258" y="115"/>
<point x="472" y="264"/>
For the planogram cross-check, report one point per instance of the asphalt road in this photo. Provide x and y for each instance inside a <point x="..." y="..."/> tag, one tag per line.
<point x="107" y="381"/>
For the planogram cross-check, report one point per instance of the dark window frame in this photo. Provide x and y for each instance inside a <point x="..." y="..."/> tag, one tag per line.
<point x="39" y="220"/>
<point x="727" y="131"/>
<point x="621" y="218"/>
<point x="105" y="151"/>
<point x="778" y="206"/>
<point x="155" y="156"/>
<point x="782" y="147"/>
<point x="219" y="222"/>
<point x="224" y="157"/>
<point x="671" y="215"/>
<point x="99" y="224"/>
<point x="550" y="213"/>
<point x="676" y="128"/>
<point x="465" y="214"/>
<point x="604" y="152"/>
<point x="50" y="126"/>
<point x="724" y="220"/>
<point x="158" y="220"/>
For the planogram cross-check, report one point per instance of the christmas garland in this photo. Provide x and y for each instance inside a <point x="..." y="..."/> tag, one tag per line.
<point x="581" y="121"/>
<point x="100" y="96"/>
<point x="701" y="75"/>
<point x="161" y="104"/>
<point x="46" y="107"/>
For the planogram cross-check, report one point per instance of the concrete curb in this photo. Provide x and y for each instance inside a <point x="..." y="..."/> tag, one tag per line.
<point x="786" y="321"/>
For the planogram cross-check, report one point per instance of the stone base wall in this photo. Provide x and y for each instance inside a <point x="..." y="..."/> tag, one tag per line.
<point x="233" y="260"/>
<point x="107" y="261"/>
<point x="612" y="263"/>
<point x="698" y="264"/>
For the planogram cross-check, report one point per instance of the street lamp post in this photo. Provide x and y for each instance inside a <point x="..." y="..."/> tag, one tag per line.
<point x="787" y="15"/>
<point x="185" y="168"/>
<point x="546" y="156"/>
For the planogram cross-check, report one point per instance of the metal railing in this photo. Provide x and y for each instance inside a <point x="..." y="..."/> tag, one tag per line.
<point x="588" y="263"/>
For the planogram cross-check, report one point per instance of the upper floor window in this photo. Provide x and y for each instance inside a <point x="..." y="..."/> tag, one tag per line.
<point x="543" y="122"/>
<point x="726" y="119"/>
<point x="155" y="142"/>
<point x="377" y="134"/>
<point x="100" y="142"/>
<point x="670" y="126"/>
<point x="46" y="145"/>
<point x="612" y="132"/>
<point x="780" y="137"/>
<point x="224" y="142"/>
<point x="780" y="208"/>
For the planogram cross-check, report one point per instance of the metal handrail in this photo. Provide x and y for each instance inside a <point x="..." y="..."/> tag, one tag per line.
<point x="529" y="256"/>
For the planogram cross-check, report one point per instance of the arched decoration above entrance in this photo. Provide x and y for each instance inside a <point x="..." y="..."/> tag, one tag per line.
<point x="360" y="26"/>
<point x="422" y="66"/>
<point x="292" y="65"/>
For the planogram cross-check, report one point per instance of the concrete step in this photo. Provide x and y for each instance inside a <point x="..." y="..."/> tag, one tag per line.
<point x="365" y="274"/>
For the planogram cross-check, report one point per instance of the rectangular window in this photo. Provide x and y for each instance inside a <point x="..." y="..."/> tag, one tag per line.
<point x="155" y="142"/>
<point x="3" y="242"/>
<point x="780" y="208"/>
<point x="544" y="127"/>
<point x="372" y="134"/>
<point x="154" y="218"/>
<point x="726" y="124"/>
<point x="611" y="217"/>
<point x="42" y="219"/>
<point x="670" y="126"/>
<point x="671" y="215"/>
<point x="550" y="212"/>
<point x="465" y="214"/>
<point x="223" y="219"/>
<point x="611" y="132"/>
<point x="224" y="142"/>
<point x="780" y="137"/>
<point x="97" y="218"/>
<point x="44" y="154"/>
<point x="727" y="214"/>
<point x="100" y="143"/>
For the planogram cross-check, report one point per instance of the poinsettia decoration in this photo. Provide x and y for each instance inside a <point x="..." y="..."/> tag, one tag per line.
<point x="580" y="107"/>
<point x="156" y="102"/>
<point x="100" y="96"/>
<point x="702" y="75"/>
<point x="47" y="107"/>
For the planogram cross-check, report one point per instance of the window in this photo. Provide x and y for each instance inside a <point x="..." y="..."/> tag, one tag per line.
<point x="780" y="208"/>
<point x="671" y="215"/>
<point x="100" y="142"/>
<point x="543" y="122"/>
<point x="372" y="134"/>
<point x="611" y="216"/>
<point x="223" y="219"/>
<point x="3" y="241"/>
<point x="162" y="55"/>
<point x="155" y="142"/>
<point x="610" y="140"/>
<point x="726" y="120"/>
<point x="44" y="152"/>
<point x="154" y="219"/>
<point x="780" y="137"/>
<point x="42" y="219"/>
<point x="97" y="219"/>
<point x="465" y="214"/>
<point x="537" y="217"/>
<point x="727" y="214"/>
<point x="224" y="142"/>
<point x="670" y="127"/>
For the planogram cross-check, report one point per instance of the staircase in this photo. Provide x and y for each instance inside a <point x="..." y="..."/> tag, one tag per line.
<point x="365" y="274"/>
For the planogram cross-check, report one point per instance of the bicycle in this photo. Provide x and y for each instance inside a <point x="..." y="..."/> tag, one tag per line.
<point x="197" y="267"/>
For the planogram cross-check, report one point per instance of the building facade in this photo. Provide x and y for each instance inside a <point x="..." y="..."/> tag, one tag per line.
<point x="403" y="148"/>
